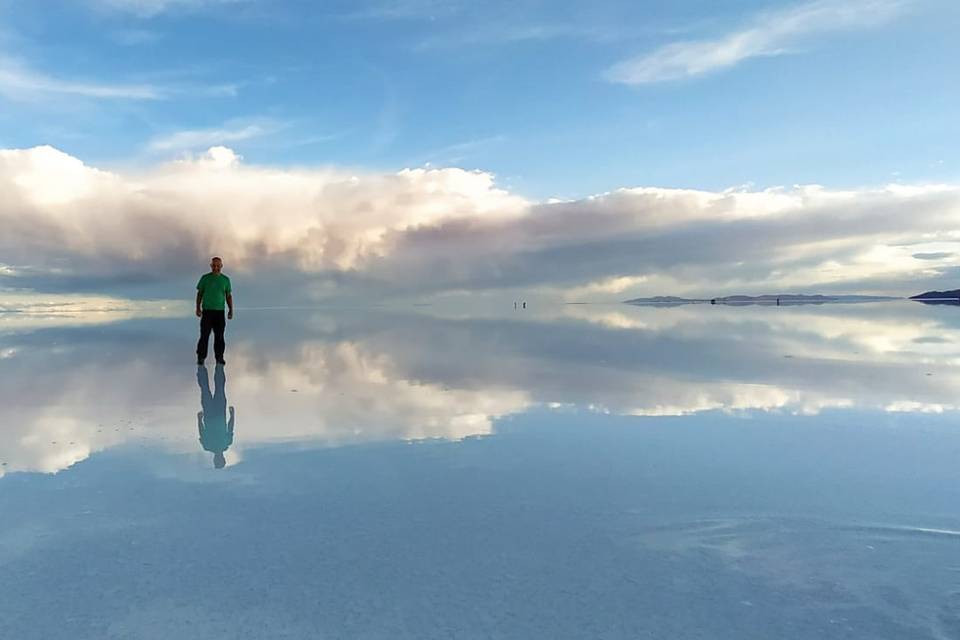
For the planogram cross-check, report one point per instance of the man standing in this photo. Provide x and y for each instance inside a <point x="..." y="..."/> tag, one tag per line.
<point x="213" y="291"/>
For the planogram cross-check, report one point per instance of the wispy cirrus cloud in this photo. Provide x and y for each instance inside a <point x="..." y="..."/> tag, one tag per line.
<point x="465" y="24"/>
<point x="771" y="33"/>
<point x="22" y="81"/>
<point x="19" y="80"/>
<point x="404" y="9"/>
<point x="151" y="8"/>
<point x="229" y="132"/>
<point x="500" y="34"/>
<point x="459" y="152"/>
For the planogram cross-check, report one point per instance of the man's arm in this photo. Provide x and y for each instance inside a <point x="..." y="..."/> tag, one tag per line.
<point x="200" y="423"/>
<point x="199" y="299"/>
<point x="230" y="424"/>
<point x="230" y="306"/>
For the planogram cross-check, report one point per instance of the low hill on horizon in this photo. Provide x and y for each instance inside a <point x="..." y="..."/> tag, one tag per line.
<point x="953" y="294"/>
<point x="781" y="298"/>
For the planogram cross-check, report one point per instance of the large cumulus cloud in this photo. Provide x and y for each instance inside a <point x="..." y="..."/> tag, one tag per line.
<point x="70" y="226"/>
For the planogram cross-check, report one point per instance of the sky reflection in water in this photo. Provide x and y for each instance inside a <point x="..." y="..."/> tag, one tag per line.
<point x="736" y="472"/>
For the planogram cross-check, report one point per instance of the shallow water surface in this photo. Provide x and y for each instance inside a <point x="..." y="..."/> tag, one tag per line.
<point x="584" y="471"/>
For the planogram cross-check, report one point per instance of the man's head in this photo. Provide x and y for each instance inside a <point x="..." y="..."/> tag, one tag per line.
<point x="216" y="264"/>
<point x="219" y="462"/>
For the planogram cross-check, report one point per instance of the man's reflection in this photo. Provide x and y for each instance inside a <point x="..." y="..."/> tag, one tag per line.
<point x="216" y="434"/>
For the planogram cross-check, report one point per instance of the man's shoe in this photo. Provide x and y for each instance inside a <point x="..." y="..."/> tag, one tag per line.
<point x="200" y="362"/>
<point x="221" y="361"/>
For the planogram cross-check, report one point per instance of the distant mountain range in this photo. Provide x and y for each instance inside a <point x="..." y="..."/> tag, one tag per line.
<point x="951" y="297"/>
<point x="953" y="294"/>
<point x="928" y="297"/>
<point x="774" y="299"/>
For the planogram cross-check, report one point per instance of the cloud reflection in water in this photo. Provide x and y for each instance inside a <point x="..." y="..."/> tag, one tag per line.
<point x="331" y="377"/>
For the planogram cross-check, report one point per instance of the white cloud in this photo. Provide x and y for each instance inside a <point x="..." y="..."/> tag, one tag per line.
<point x="233" y="131"/>
<point x="30" y="311"/>
<point x="511" y="32"/>
<point x="150" y="8"/>
<point x="606" y="286"/>
<point x="458" y="152"/>
<point x="422" y="231"/>
<point x="404" y="9"/>
<point x="769" y="34"/>
<point x="59" y="212"/>
<point x="19" y="81"/>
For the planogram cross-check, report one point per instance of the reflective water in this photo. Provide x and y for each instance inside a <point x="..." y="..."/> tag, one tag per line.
<point x="581" y="471"/>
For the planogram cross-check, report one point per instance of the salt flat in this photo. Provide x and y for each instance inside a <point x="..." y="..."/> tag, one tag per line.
<point x="582" y="471"/>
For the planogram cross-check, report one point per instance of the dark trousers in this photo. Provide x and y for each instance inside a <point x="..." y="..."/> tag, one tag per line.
<point x="215" y="321"/>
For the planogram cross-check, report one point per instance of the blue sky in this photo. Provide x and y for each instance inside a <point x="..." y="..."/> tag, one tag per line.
<point x="839" y="94"/>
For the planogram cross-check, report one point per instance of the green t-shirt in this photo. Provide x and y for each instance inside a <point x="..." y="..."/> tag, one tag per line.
<point x="214" y="289"/>
<point x="217" y="434"/>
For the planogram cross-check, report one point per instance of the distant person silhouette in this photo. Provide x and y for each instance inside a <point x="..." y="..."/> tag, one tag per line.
<point x="216" y="434"/>
<point x="213" y="291"/>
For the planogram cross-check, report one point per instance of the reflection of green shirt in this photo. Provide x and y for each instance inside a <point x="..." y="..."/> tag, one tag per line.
<point x="214" y="289"/>
<point x="216" y="435"/>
